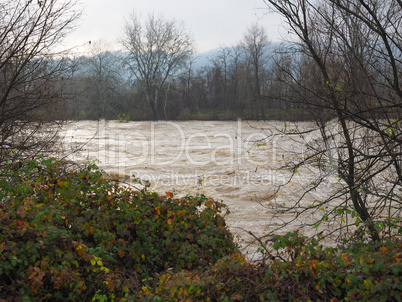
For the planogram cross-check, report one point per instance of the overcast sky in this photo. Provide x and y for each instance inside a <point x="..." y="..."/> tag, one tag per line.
<point x="213" y="23"/>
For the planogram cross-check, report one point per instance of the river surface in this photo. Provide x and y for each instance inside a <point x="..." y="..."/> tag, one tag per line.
<point x="230" y="161"/>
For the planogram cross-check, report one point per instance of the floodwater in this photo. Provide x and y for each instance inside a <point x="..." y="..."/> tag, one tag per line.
<point x="240" y="163"/>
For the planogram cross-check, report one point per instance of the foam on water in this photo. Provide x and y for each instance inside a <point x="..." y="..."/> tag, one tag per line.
<point x="229" y="161"/>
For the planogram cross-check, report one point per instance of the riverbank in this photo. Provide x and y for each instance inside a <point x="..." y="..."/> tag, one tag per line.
<point x="67" y="233"/>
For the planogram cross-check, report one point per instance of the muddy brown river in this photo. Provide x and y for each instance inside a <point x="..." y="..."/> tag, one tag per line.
<point x="229" y="161"/>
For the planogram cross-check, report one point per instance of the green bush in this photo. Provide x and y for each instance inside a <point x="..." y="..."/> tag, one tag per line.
<point x="123" y="117"/>
<point x="311" y="273"/>
<point x="70" y="234"/>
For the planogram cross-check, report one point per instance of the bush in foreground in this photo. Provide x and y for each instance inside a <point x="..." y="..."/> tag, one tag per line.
<point x="69" y="234"/>
<point x="311" y="273"/>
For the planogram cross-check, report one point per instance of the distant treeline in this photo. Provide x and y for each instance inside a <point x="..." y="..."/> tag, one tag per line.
<point x="226" y="84"/>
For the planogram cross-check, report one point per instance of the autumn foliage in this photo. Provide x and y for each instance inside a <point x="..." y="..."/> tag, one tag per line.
<point x="68" y="234"/>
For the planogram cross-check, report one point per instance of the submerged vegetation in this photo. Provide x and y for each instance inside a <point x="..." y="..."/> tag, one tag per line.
<point x="67" y="233"/>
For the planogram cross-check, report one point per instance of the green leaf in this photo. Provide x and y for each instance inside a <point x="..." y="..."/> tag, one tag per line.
<point x="316" y="225"/>
<point x="47" y="162"/>
<point x="395" y="269"/>
<point x="357" y="222"/>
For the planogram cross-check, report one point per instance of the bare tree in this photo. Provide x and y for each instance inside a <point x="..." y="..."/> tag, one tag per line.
<point x="184" y="88"/>
<point x="104" y="80"/>
<point x="256" y="45"/>
<point x="350" y="72"/>
<point x="157" y="50"/>
<point x="31" y="76"/>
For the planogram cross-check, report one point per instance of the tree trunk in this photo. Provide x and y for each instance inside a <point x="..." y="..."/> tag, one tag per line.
<point x="153" y="105"/>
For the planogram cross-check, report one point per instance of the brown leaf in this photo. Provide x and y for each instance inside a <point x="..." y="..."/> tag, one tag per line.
<point x="22" y="212"/>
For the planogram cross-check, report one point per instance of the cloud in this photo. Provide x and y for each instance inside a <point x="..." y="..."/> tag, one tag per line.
<point x="213" y="23"/>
